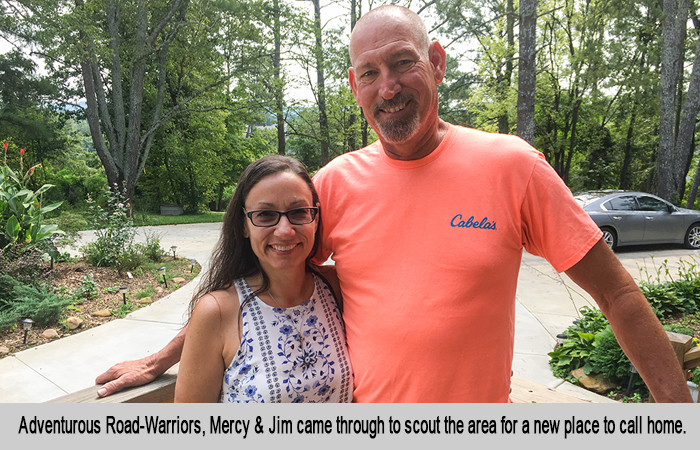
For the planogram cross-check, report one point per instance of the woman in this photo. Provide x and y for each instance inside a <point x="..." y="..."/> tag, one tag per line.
<point x="266" y="328"/>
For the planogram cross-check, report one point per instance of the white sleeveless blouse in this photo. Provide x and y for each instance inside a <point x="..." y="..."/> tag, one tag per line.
<point x="272" y="366"/>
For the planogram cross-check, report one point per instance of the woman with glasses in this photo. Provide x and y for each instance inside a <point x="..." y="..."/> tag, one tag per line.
<point x="264" y="326"/>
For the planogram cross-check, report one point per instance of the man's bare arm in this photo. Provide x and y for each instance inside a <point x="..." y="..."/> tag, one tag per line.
<point x="142" y="371"/>
<point x="636" y="327"/>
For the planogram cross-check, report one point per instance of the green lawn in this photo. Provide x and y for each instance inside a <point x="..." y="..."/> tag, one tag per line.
<point x="141" y="219"/>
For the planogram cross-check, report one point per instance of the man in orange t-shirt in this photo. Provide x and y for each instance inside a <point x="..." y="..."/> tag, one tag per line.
<point x="427" y="227"/>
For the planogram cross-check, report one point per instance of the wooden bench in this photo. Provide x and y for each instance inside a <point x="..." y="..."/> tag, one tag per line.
<point x="162" y="390"/>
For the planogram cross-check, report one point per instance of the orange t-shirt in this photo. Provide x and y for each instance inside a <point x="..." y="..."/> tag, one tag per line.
<point x="428" y="254"/>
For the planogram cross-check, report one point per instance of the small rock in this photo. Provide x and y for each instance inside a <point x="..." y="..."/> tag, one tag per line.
<point x="4" y="350"/>
<point x="160" y="290"/>
<point x="50" y="333"/>
<point x="73" y="322"/>
<point x="596" y="383"/>
<point x="144" y="301"/>
<point x="102" y="313"/>
<point x="179" y="280"/>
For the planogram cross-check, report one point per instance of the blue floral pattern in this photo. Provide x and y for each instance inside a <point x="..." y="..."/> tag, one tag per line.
<point x="275" y="364"/>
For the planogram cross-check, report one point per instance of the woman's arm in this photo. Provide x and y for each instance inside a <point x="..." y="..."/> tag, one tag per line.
<point x="329" y="273"/>
<point x="201" y="371"/>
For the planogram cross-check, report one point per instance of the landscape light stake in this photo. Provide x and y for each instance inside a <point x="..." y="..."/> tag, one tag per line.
<point x="27" y="325"/>
<point x="123" y="291"/>
<point x="194" y="263"/>
<point x="162" y="271"/>
<point x="173" y="248"/>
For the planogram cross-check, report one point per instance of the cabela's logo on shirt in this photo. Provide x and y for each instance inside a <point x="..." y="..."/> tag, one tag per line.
<point x="484" y="224"/>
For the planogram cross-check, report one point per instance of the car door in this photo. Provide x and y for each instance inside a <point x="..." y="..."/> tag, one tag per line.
<point x="624" y="214"/>
<point x="660" y="225"/>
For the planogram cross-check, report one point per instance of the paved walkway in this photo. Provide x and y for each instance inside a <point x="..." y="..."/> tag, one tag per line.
<point x="545" y="307"/>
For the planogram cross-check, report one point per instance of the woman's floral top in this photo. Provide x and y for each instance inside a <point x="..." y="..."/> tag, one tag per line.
<point x="292" y="355"/>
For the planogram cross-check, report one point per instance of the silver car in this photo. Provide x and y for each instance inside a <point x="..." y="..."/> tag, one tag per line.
<point x="629" y="218"/>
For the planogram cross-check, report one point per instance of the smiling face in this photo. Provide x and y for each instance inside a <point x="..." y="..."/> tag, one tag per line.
<point x="283" y="246"/>
<point x="394" y="78"/>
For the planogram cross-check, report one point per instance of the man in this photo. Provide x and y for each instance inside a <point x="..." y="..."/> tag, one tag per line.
<point x="427" y="226"/>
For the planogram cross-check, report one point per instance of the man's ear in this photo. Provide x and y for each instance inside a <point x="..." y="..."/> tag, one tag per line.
<point x="353" y="85"/>
<point x="438" y="60"/>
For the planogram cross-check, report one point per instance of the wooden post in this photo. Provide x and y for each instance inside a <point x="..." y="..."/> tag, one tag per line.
<point x="682" y="345"/>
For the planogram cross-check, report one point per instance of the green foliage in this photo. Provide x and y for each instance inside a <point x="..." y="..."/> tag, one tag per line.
<point x="151" y="249"/>
<point x="673" y="328"/>
<point x="636" y="398"/>
<point x="124" y="310"/>
<point x="21" y="209"/>
<point x="695" y="378"/>
<point x="148" y="291"/>
<point x="142" y="219"/>
<point x="608" y="358"/>
<point x="576" y="349"/>
<point x="668" y="295"/>
<point x="39" y="304"/>
<point x="114" y="232"/>
<point x="131" y="258"/>
<point x="88" y="289"/>
<point x="591" y="343"/>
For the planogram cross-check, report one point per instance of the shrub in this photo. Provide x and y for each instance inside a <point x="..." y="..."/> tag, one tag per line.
<point x="41" y="305"/>
<point x="676" y="295"/>
<point x="666" y="300"/>
<point x="152" y="249"/>
<point x="19" y="301"/>
<point x="131" y="258"/>
<point x="114" y="231"/>
<point x="575" y="352"/>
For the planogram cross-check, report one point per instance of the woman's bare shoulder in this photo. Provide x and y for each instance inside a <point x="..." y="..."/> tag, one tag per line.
<point x="219" y="305"/>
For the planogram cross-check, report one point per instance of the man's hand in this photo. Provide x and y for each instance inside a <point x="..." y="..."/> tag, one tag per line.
<point x="126" y="374"/>
<point x="142" y="371"/>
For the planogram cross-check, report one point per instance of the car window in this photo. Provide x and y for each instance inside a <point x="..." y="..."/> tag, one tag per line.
<point x="624" y="203"/>
<point x="652" y="204"/>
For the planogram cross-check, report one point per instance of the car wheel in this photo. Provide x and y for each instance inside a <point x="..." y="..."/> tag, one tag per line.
<point x="692" y="237"/>
<point x="611" y="239"/>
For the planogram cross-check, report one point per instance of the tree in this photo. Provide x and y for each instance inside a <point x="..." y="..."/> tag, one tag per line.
<point x="120" y="51"/>
<point x="526" y="70"/>
<point x="670" y="154"/>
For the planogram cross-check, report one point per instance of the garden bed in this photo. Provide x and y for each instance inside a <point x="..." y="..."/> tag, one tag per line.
<point x="69" y="278"/>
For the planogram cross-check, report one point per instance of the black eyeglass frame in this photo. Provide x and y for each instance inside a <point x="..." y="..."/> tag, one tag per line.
<point x="280" y="214"/>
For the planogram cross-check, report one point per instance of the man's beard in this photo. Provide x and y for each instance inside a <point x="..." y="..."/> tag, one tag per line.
<point x="399" y="129"/>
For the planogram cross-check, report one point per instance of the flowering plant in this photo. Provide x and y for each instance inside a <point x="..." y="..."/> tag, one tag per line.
<point x="114" y="230"/>
<point x="21" y="209"/>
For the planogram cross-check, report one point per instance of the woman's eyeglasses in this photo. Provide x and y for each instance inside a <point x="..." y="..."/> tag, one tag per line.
<point x="269" y="218"/>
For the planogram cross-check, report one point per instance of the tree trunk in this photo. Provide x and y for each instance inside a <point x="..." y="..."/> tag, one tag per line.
<point x="526" y="71"/>
<point x="676" y="12"/>
<point x="278" y="84"/>
<point x="352" y="145"/>
<point x="322" y="117"/>
<point x="686" y="132"/>
<point x="504" y="84"/>
<point x="625" y="181"/>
